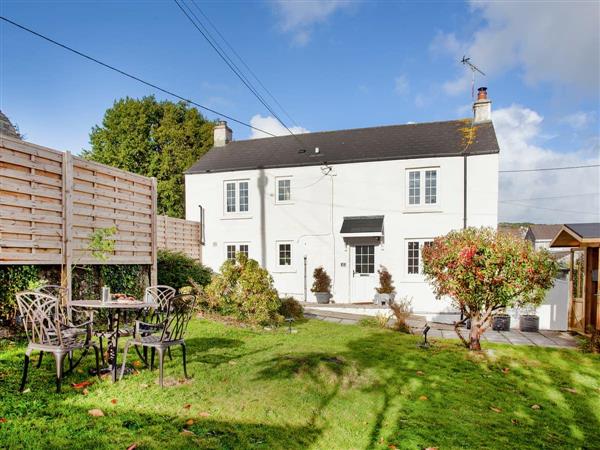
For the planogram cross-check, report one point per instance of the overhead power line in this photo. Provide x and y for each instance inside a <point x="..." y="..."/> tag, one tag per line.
<point x="549" y="168"/>
<point x="553" y="197"/>
<point x="213" y="26"/>
<point x="197" y="23"/>
<point x="133" y="77"/>
<point x="548" y="209"/>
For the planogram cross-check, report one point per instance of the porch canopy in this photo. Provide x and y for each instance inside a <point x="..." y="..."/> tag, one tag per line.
<point x="362" y="226"/>
<point x="577" y="235"/>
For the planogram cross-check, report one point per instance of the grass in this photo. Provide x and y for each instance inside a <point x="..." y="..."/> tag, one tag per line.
<point x="327" y="386"/>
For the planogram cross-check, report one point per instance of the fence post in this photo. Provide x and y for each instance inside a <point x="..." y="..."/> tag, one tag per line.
<point x="67" y="223"/>
<point x="154" y="272"/>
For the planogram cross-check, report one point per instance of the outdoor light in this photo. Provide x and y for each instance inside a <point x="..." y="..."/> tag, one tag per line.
<point x="289" y="320"/>
<point x="426" y="329"/>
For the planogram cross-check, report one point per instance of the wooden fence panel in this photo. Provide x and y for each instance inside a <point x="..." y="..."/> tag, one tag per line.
<point x="51" y="202"/>
<point x="179" y="235"/>
<point x="31" y="203"/>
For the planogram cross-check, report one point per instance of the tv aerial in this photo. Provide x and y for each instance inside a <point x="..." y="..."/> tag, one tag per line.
<point x="467" y="62"/>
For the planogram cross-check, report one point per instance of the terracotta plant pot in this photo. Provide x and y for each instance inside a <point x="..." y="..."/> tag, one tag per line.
<point x="529" y="323"/>
<point x="323" y="297"/>
<point x="501" y="322"/>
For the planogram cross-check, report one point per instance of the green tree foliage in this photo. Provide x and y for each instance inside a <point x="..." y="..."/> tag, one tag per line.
<point x="14" y="279"/>
<point x="483" y="271"/>
<point x="154" y="138"/>
<point x="245" y="290"/>
<point x="175" y="269"/>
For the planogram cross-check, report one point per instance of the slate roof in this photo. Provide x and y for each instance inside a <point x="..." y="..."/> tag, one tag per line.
<point x="543" y="232"/>
<point x="7" y="128"/>
<point x="424" y="140"/>
<point x="362" y="224"/>
<point x="585" y="230"/>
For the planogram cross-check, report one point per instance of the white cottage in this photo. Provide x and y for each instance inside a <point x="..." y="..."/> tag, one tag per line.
<point x="350" y="201"/>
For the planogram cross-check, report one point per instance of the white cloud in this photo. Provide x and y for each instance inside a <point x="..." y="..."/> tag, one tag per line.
<point x="300" y="17"/>
<point x="271" y="125"/>
<point x="518" y="128"/>
<point x="401" y="85"/>
<point x="579" y="120"/>
<point x="554" y="42"/>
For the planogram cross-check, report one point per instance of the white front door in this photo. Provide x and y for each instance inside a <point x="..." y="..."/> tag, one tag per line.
<point x="363" y="273"/>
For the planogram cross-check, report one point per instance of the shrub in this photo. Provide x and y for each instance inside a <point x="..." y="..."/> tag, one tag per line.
<point x="322" y="281"/>
<point x="402" y="309"/>
<point x="175" y="269"/>
<point x="482" y="271"/>
<point x="245" y="290"/>
<point x="14" y="279"/>
<point x="291" y="308"/>
<point x="386" y="284"/>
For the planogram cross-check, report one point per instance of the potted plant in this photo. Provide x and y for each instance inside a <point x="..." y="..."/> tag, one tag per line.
<point x="501" y="321"/>
<point x="321" y="286"/>
<point x="386" y="291"/>
<point x="529" y="321"/>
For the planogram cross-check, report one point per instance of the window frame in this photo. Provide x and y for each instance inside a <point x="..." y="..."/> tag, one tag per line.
<point x="368" y="264"/>
<point x="422" y="242"/>
<point x="285" y="267"/>
<point x="237" y="197"/>
<point x="237" y="249"/>
<point x="277" y="190"/>
<point x="424" y="190"/>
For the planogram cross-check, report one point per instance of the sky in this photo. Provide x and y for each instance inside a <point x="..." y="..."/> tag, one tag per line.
<point x="332" y="65"/>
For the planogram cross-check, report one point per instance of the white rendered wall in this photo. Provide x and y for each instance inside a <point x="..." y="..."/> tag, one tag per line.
<point x="312" y="220"/>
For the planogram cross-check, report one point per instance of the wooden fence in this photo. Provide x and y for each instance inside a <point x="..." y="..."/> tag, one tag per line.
<point x="51" y="202"/>
<point x="179" y="235"/>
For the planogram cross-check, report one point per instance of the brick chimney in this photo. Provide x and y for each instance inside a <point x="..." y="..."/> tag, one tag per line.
<point x="482" y="108"/>
<point x="222" y="134"/>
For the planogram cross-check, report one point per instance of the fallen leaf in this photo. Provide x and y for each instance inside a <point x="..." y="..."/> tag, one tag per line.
<point x="189" y="422"/>
<point x="423" y="397"/>
<point x="144" y="385"/>
<point x="187" y="406"/>
<point x="420" y="372"/>
<point x="431" y="448"/>
<point x="536" y="407"/>
<point x="514" y="421"/>
<point x="2" y="420"/>
<point x="27" y="391"/>
<point x="81" y="385"/>
<point x="80" y="371"/>
<point x="132" y="447"/>
<point x="85" y="392"/>
<point x="233" y="363"/>
<point x="204" y="414"/>
<point x="506" y="370"/>
<point x="95" y="413"/>
<point x="392" y="447"/>
<point x="114" y="401"/>
<point x="187" y="432"/>
<point x="495" y="409"/>
<point x="571" y="390"/>
<point x="137" y="363"/>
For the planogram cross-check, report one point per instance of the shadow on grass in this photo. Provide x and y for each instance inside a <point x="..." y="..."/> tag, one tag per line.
<point x="449" y="397"/>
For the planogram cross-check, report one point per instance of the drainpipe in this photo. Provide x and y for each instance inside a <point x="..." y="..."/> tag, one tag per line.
<point x="305" y="281"/>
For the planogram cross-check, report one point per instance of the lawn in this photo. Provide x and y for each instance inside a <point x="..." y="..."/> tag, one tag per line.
<point x="327" y="386"/>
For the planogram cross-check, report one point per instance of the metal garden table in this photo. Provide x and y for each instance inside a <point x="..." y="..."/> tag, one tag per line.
<point x="116" y="309"/>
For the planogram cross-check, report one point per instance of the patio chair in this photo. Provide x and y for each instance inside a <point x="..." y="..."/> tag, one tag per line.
<point x="159" y="294"/>
<point x="76" y="319"/>
<point x="162" y="336"/>
<point x="46" y="333"/>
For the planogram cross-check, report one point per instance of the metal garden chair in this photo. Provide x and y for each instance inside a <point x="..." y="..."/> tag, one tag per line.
<point x="46" y="333"/>
<point x="160" y="295"/>
<point x="75" y="318"/>
<point x="159" y="337"/>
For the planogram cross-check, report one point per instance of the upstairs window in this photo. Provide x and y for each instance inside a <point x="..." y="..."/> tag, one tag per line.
<point x="236" y="196"/>
<point x="284" y="190"/>
<point x="422" y="187"/>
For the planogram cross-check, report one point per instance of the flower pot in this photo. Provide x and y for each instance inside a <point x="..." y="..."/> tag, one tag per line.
<point x="529" y="323"/>
<point x="383" y="299"/>
<point x="501" y="322"/>
<point x="323" y="297"/>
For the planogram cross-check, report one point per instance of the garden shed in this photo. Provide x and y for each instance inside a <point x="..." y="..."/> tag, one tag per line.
<point x="584" y="241"/>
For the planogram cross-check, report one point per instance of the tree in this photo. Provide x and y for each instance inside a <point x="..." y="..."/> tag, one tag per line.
<point x="156" y="139"/>
<point x="483" y="271"/>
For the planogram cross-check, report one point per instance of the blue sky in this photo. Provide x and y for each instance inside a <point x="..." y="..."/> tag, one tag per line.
<point x="332" y="65"/>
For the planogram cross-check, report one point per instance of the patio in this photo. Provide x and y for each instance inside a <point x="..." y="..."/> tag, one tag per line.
<point x="543" y="338"/>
